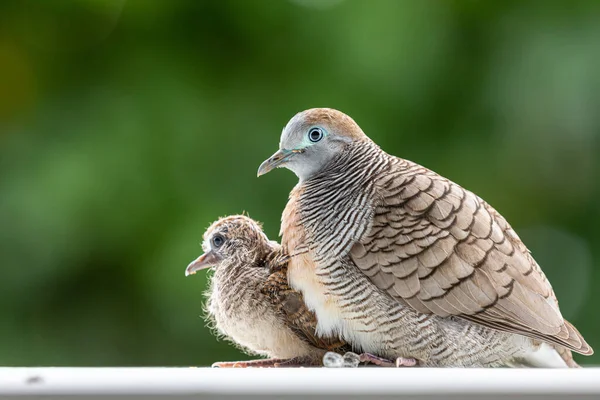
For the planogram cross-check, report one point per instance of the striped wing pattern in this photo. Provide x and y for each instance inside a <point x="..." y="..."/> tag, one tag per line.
<point x="443" y="250"/>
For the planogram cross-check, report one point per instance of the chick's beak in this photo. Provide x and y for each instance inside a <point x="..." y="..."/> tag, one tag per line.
<point x="276" y="160"/>
<point x="204" y="261"/>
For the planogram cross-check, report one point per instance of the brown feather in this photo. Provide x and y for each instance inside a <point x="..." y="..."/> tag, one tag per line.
<point x="481" y="271"/>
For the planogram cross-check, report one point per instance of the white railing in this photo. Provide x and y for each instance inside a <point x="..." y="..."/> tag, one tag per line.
<point x="361" y="383"/>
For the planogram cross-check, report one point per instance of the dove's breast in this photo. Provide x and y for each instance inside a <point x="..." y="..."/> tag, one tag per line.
<point x="347" y="305"/>
<point x="302" y="273"/>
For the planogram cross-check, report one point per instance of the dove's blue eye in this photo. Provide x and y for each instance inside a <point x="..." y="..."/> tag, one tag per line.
<point x="315" y="134"/>
<point x="217" y="241"/>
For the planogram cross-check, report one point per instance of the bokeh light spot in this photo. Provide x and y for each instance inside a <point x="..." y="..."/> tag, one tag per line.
<point x="16" y="82"/>
<point x="318" y="4"/>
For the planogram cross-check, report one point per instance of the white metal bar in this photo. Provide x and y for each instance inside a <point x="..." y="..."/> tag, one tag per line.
<point x="86" y="383"/>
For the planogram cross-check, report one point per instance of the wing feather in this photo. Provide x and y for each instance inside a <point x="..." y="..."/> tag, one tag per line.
<point x="443" y="250"/>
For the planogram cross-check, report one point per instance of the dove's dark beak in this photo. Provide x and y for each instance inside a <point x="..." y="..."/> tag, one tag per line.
<point x="277" y="160"/>
<point x="204" y="261"/>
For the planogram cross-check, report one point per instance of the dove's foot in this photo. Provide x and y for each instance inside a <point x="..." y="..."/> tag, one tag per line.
<point x="352" y="360"/>
<point x="405" y="362"/>
<point x="383" y="362"/>
<point x="375" y="360"/>
<point x="267" y="363"/>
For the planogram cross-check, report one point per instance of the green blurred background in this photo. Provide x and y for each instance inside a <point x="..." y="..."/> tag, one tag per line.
<point x="126" y="127"/>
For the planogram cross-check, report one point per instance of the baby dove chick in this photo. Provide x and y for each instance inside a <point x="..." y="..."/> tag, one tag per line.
<point x="251" y="306"/>
<point x="402" y="262"/>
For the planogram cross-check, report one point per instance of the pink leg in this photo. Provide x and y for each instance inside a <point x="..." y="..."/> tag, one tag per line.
<point x="405" y="362"/>
<point x="266" y="363"/>
<point x="373" y="359"/>
<point x="382" y="362"/>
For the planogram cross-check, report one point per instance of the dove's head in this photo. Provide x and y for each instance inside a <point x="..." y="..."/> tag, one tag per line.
<point x="232" y="242"/>
<point x="311" y="140"/>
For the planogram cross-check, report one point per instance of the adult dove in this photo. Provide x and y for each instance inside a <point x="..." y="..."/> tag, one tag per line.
<point x="249" y="300"/>
<point x="403" y="263"/>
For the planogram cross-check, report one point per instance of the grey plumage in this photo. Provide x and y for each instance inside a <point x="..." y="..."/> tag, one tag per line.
<point x="401" y="262"/>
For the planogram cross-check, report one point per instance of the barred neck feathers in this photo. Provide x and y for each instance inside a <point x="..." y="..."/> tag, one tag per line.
<point x="356" y="165"/>
<point x="339" y="199"/>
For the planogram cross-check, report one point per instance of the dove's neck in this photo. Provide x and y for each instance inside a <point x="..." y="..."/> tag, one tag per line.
<point x="357" y="159"/>
<point x="333" y="208"/>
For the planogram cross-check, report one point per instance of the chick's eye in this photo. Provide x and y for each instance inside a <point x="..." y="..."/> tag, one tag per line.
<point x="315" y="134"/>
<point x="217" y="241"/>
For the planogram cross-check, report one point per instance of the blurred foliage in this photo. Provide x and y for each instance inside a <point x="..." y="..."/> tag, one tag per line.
<point x="126" y="127"/>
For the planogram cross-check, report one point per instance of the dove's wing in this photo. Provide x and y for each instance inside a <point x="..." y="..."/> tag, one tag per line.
<point x="443" y="250"/>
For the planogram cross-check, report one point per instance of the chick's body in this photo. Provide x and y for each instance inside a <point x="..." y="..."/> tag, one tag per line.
<point x="241" y="291"/>
<point x="244" y="315"/>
